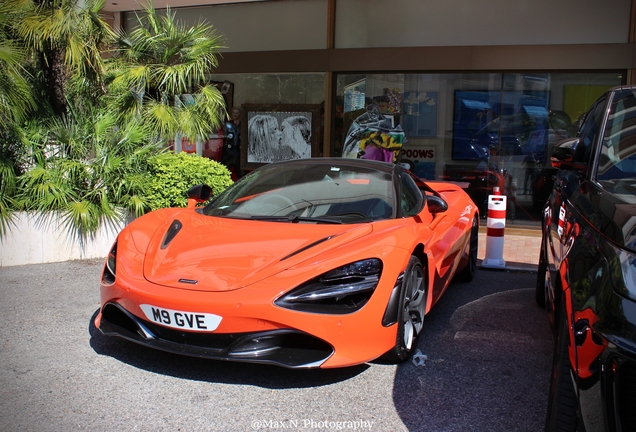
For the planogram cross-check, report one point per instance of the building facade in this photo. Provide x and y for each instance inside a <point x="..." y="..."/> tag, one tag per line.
<point x="477" y="92"/>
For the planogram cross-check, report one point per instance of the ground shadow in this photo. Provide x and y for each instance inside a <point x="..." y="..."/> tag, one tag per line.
<point x="488" y="356"/>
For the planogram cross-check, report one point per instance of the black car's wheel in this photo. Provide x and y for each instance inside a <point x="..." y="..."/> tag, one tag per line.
<point x="562" y="401"/>
<point x="542" y="276"/>
<point x="468" y="273"/>
<point x="411" y="312"/>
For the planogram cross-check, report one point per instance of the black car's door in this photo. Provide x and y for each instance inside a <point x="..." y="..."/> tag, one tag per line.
<point x="568" y="184"/>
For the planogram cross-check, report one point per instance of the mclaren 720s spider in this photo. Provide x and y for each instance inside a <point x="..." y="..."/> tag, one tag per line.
<point x="310" y="263"/>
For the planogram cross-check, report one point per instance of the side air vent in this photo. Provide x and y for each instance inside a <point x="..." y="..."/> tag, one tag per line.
<point x="175" y="227"/>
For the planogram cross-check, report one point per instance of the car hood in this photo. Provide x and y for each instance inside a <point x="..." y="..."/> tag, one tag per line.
<point x="220" y="254"/>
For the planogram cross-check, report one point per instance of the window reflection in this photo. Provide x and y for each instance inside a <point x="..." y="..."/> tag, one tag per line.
<point x="484" y="130"/>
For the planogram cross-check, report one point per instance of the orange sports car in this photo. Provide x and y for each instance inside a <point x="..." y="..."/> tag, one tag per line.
<point x="326" y="262"/>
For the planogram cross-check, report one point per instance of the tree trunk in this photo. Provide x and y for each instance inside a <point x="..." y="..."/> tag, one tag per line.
<point x="54" y="74"/>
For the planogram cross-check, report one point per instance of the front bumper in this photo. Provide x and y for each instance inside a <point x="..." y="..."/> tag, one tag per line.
<point x="252" y="328"/>
<point x="284" y="347"/>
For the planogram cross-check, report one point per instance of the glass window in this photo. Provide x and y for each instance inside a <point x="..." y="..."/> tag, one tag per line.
<point x="322" y="191"/>
<point x="618" y="149"/>
<point x="302" y="92"/>
<point x="482" y="130"/>
<point x="410" y="196"/>
<point x="283" y="88"/>
<point x="589" y="132"/>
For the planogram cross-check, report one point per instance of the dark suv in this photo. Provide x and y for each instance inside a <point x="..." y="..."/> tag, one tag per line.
<point x="587" y="270"/>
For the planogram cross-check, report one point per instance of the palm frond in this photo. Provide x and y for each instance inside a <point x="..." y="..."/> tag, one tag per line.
<point x="7" y="190"/>
<point x="7" y="214"/>
<point x="163" y="59"/>
<point x="161" y="118"/>
<point x="15" y="91"/>
<point x="82" y="216"/>
<point x="137" y="205"/>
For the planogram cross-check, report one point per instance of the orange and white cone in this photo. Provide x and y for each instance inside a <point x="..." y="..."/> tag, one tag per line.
<point x="495" y="225"/>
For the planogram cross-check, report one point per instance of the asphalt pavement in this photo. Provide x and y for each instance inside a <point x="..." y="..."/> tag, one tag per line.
<point x="483" y="365"/>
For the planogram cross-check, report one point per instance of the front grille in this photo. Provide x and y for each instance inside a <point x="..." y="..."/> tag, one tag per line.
<point x="286" y="347"/>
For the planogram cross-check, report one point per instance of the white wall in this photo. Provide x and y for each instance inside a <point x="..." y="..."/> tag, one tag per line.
<point x="408" y="23"/>
<point x="31" y="241"/>
<point x="261" y="26"/>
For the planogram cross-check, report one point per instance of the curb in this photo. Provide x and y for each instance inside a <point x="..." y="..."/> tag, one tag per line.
<point x="513" y="266"/>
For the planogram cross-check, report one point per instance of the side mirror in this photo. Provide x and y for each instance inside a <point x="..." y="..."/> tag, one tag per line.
<point x="436" y="204"/>
<point x="197" y="194"/>
<point x="563" y="156"/>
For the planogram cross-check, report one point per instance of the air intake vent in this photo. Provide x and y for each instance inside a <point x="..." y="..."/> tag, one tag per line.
<point x="172" y="232"/>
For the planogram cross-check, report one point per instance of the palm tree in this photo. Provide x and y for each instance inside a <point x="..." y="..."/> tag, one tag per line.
<point x="157" y="75"/>
<point x="16" y="100"/>
<point x="66" y="38"/>
<point x="44" y="46"/>
<point x="88" y="170"/>
<point x="87" y="161"/>
<point x="15" y="95"/>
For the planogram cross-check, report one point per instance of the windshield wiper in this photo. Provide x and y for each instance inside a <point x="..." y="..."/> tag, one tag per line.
<point x="296" y="219"/>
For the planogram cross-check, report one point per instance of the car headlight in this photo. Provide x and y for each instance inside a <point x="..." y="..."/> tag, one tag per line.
<point x="340" y="291"/>
<point x="110" y="268"/>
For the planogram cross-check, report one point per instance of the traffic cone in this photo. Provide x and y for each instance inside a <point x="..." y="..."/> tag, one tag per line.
<point x="495" y="224"/>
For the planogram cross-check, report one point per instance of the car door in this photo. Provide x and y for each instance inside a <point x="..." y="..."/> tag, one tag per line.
<point x="450" y="235"/>
<point x="560" y="211"/>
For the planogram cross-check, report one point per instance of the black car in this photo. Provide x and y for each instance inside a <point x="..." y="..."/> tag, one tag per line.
<point x="587" y="271"/>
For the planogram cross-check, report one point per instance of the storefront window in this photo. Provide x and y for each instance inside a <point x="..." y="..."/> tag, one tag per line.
<point x="483" y="130"/>
<point x="292" y="107"/>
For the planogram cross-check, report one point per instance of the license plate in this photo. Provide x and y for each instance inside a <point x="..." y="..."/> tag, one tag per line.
<point x="195" y="321"/>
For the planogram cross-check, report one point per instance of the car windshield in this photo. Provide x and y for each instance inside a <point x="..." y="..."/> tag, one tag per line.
<point x="618" y="149"/>
<point x="307" y="192"/>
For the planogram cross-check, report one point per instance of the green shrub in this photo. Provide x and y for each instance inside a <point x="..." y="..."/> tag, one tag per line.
<point x="172" y="174"/>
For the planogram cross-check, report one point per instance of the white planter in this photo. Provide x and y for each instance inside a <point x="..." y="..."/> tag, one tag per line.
<point x="35" y="241"/>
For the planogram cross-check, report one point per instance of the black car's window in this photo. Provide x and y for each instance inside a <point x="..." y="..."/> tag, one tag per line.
<point x="618" y="150"/>
<point x="410" y="196"/>
<point x="589" y="132"/>
<point x="336" y="192"/>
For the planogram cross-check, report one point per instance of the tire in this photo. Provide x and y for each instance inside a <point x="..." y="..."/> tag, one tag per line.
<point x="468" y="273"/>
<point x="562" y="402"/>
<point x="413" y="295"/>
<point x="542" y="277"/>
